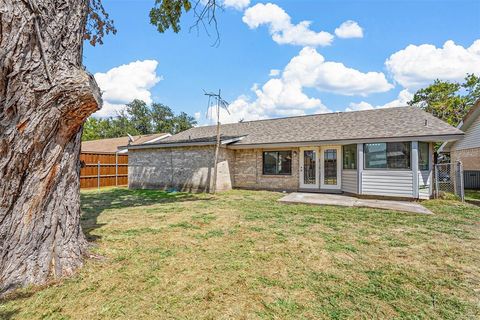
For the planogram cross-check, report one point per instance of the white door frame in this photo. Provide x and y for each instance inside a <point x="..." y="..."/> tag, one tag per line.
<point x="317" y="168"/>
<point x="338" y="186"/>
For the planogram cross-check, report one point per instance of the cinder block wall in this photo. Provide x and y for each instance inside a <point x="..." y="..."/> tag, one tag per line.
<point x="248" y="172"/>
<point x="185" y="169"/>
<point x="469" y="157"/>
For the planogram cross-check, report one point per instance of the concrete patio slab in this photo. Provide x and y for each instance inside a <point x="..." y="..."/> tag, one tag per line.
<point x="348" y="201"/>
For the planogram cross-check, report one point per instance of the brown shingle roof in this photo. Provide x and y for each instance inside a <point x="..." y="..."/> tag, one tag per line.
<point x="111" y="145"/>
<point x="369" y="124"/>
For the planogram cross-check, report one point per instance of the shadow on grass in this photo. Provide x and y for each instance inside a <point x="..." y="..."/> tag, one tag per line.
<point x="93" y="203"/>
<point x="6" y="315"/>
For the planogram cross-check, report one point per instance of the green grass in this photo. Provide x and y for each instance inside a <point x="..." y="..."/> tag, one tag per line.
<point x="242" y="255"/>
<point x="473" y="196"/>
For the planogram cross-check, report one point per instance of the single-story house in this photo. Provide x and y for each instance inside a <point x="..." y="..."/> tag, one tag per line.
<point x="467" y="149"/>
<point x="381" y="152"/>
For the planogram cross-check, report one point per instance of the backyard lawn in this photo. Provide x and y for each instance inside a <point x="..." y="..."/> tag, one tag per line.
<point x="241" y="255"/>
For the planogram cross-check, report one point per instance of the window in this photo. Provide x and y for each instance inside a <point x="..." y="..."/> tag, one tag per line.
<point x="350" y="156"/>
<point x="277" y="162"/>
<point x="423" y="156"/>
<point x="391" y="155"/>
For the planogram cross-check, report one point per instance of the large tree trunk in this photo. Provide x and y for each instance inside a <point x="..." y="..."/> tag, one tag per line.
<point x="45" y="96"/>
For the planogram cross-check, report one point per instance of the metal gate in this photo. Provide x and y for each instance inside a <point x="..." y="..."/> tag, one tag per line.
<point x="449" y="179"/>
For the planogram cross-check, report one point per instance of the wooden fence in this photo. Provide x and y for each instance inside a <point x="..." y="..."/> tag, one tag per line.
<point x="103" y="169"/>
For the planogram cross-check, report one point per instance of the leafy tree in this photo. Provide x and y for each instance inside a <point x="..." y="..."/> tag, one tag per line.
<point x="449" y="101"/>
<point x="138" y="118"/>
<point x="163" y="118"/>
<point x="45" y="97"/>
<point x="183" y="122"/>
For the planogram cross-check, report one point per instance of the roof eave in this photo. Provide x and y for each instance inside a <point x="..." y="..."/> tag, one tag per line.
<point x="428" y="138"/>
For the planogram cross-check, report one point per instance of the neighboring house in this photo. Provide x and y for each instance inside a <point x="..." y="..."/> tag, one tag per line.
<point x="114" y="145"/>
<point x="467" y="149"/>
<point x="382" y="152"/>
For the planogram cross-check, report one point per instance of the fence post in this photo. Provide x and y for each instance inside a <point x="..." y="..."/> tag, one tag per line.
<point x="460" y="180"/>
<point x="98" y="175"/>
<point x="436" y="181"/>
<point x="116" y="169"/>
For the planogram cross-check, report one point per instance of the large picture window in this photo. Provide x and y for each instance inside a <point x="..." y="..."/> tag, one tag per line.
<point x="277" y="162"/>
<point x="423" y="156"/>
<point x="350" y="156"/>
<point x="390" y="155"/>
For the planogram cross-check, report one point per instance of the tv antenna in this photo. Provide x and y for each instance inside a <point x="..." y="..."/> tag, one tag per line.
<point x="220" y="103"/>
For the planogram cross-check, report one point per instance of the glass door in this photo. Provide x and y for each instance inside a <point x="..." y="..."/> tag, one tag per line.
<point x="330" y="162"/>
<point x="309" y="164"/>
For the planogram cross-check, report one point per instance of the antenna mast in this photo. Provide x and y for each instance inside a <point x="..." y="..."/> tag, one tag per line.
<point x="220" y="103"/>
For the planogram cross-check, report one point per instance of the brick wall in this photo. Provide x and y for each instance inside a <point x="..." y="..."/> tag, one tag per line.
<point x="248" y="172"/>
<point x="469" y="157"/>
<point x="186" y="169"/>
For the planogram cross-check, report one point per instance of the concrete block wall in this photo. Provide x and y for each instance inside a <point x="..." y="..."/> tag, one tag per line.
<point x="248" y="171"/>
<point x="185" y="169"/>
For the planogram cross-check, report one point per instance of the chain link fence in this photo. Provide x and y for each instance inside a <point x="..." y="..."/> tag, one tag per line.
<point x="449" y="179"/>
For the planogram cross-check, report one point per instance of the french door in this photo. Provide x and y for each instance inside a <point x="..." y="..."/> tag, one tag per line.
<point x="309" y="168"/>
<point x="320" y="168"/>
<point x="330" y="159"/>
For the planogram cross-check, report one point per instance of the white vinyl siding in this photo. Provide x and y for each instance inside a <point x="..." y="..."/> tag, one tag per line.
<point x="424" y="184"/>
<point x="349" y="181"/>
<point x="388" y="183"/>
<point x="471" y="138"/>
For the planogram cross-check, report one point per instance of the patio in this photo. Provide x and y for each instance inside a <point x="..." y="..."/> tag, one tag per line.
<point x="349" y="201"/>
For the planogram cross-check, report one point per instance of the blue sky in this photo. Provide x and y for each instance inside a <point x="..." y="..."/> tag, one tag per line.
<point x="348" y="72"/>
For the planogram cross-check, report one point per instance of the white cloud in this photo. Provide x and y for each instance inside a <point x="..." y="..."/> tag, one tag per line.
<point x="311" y="70"/>
<point x="417" y="66"/>
<point x="274" y="73"/>
<point x="349" y="29"/>
<point x="284" y="94"/>
<point x="236" y="4"/>
<point x="197" y="115"/>
<point x="403" y="97"/>
<point x="122" y="84"/>
<point x="281" y="27"/>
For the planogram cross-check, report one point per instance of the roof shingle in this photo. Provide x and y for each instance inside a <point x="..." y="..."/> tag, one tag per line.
<point x="369" y="124"/>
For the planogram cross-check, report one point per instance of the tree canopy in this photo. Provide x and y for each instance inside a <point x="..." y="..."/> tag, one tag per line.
<point x="449" y="101"/>
<point x="138" y="118"/>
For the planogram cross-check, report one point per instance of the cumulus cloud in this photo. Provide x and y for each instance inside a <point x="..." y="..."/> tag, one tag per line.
<point x="349" y="29"/>
<point x="312" y="70"/>
<point x="122" y="84"/>
<point x="284" y="94"/>
<point x="282" y="29"/>
<point x="417" y="66"/>
<point x="403" y="97"/>
<point x="236" y="4"/>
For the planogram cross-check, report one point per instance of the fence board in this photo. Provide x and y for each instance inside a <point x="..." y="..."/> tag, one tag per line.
<point x="109" y="175"/>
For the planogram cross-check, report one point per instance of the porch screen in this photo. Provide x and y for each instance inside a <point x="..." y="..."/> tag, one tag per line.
<point x="277" y="162"/>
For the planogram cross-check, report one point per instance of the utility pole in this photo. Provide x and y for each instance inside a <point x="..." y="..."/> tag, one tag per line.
<point x="220" y="103"/>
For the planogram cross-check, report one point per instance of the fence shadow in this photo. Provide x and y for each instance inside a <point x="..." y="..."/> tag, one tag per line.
<point x="94" y="203"/>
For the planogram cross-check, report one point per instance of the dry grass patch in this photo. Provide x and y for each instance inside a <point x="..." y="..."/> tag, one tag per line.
<point x="242" y="255"/>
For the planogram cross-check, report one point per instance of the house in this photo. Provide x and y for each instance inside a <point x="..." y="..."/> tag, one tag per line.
<point x="118" y="145"/>
<point x="381" y="152"/>
<point x="467" y="149"/>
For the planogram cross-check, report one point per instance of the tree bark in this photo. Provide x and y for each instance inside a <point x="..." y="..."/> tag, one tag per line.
<point x="45" y="96"/>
